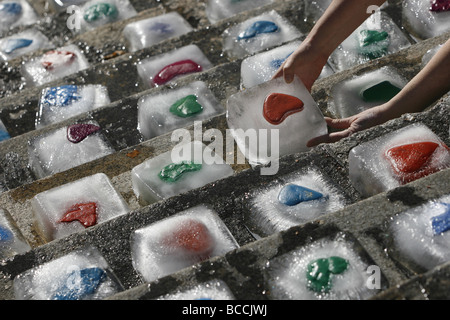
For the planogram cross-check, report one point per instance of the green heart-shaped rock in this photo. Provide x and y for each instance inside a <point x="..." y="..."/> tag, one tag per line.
<point x="319" y="272"/>
<point x="186" y="107"/>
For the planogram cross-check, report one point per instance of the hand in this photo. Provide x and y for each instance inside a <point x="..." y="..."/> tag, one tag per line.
<point x="361" y="121"/>
<point x="304" y="62"/>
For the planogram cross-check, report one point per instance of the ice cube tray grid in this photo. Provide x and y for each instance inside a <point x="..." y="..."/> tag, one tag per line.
<point x="364" y="221"/>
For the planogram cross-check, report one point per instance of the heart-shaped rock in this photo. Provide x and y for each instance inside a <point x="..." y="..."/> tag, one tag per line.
<point x="175" y="69"/>
<point x="278" y="106"/>
<point x="85" y="213"/>
<point x="78" y="132"/>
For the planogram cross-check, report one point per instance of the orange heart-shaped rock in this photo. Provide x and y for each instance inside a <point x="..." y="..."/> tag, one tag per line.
<point x="278" y="106"/>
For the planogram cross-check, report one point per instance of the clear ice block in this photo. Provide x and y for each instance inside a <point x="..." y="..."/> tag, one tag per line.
<point x="22" y="43"/>
<point x="253" y="113"/>
<point x="81" y="275"/>
<point x="396" y="158"/>
<point x="217" y="10"/>
<point x="179" y="241"/>
<point x="270" y="213"/>
<point x="362" y="92"/>
<point x="16" y="13"/>
<point x="157" y="113"/>
<point x="96" y="13"/>
<point x="168" y="67"/>
<point x="54" y="65"/>
<point x="287" y="275"/>
<point x="187" y="166"/>
<point x="90" y="201"/>
<point x="415" y="237"/>
<point x="59" y="103"/>
<point x="378" y="36"/>
<point x="145" y="33"/>
<point x="211" y="290"/>
<point x="12" y="241"/>
<point x="53" y="152"/>
<point x="261" y="67"/>
<point x="258" y="33"/>
<point x="422" y="22"/>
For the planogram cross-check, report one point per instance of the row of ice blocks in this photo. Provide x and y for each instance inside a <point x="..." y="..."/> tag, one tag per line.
<point x="261" y="67"/>
<point x="274" y="119"/>
<point x="169" y="109"/>
<point x="292" y="200"/>
<point x="426" y="18"/>
<point x="362" y="92"/>
<point x="159" y="249"/>
<point x="326" y="269"/>
<point x="397" y="158"/>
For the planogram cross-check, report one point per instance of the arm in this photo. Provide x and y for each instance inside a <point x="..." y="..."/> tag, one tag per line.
<point x="337" y="23"/>
<point x="431" y="83"/>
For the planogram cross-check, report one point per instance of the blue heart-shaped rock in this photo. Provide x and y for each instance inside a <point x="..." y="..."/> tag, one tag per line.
<point x="293" y="194"/>
<point x="258" y="27"/>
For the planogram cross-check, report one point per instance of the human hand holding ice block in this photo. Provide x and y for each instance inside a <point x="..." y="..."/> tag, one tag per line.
<point x="170" y="109"/>
<point x="276" y="107"/>
<point x="217" y="10"/>
<point x="67" y="147"/>
<point x="258" y="33"/>
<point x="77" y="205"/>
<point x="81" y="275"/>
<point x="59" y="103"/>
<point x="168" y="67"/>
<point x="188" y="170"/>
<point x="53" y="65"/>
<point x="426" y="18"/>
<point x="145" y="33"/>
<point x="396" y="158"/>
<point x="261" y="67"/>
<point x="180" y="241"/>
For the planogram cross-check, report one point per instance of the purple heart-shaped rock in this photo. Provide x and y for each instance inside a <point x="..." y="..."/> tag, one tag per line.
<point x="78" y="132"/>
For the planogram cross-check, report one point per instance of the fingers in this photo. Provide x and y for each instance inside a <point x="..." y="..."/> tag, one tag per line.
<point x="339" y="123"/>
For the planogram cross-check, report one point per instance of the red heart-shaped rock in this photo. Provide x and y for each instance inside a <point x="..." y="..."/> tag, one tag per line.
<point x="278" y="106"/>
<point x="85" y="213"/>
